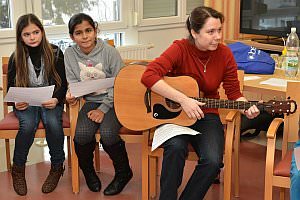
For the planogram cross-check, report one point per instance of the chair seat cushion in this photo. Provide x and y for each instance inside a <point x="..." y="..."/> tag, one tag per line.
<point x="11" y="122"/>
<point x="284" y="166"/>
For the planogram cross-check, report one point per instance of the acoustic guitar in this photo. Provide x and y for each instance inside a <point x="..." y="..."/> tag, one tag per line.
<point x="138" y="108"/>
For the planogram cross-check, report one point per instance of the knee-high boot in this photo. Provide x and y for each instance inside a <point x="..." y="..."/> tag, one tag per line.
<point x="86" y="163"/>
<point x="123" y="172"/>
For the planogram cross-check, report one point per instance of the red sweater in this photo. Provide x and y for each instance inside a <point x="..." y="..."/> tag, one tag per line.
<point x="184" y="58"/>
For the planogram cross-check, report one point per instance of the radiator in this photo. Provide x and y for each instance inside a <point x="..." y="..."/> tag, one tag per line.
<point x="139" y="51"/>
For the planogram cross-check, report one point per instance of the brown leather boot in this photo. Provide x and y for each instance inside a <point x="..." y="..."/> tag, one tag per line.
<point x="19" y="181"/>
<point x="53" y="178"/>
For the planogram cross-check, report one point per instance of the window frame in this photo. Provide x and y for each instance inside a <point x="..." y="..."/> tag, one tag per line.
<point x="34" y="6"/>
<point x="167" y="21"/>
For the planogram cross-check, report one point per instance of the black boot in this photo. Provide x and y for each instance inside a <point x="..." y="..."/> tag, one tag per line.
<point x="85" y="158"/>
<point x="123" y="172"/>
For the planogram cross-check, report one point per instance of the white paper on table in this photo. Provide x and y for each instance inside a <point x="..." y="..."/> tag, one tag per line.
<point x="277" y="82"/>
<point x="167" y="131"/>
<point x="34" y="96"/>
<point x="297" y="157"/>
<point x="250" y="78"/>
<point x="82" y="88"/>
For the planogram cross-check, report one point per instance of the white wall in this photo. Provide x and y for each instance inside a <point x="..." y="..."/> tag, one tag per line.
<point x="161" y="39"/>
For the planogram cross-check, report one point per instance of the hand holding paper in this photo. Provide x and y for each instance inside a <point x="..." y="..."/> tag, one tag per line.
<point x="87" y="87"/>
<point x="34" y="96"/>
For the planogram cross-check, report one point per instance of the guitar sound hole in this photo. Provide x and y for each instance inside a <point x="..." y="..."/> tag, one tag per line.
<point x="172" y="104"/>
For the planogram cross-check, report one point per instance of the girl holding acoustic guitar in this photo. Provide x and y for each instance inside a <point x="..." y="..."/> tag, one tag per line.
<point x="203" y="57"/>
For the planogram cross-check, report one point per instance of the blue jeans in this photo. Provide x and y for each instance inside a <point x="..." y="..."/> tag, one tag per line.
<point x="28" y="124"/>
<point x="295" y="178"/>
<point x="209" y="146"/>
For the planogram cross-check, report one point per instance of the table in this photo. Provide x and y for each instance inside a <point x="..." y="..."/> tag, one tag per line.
<point x="254" y="86"/>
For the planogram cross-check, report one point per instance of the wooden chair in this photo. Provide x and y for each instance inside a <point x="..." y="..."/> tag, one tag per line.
<point x="278" y="174"/>
<point x="9" y="125"/>
<point x="129" y="136"/>
<point x="231" y="120"/>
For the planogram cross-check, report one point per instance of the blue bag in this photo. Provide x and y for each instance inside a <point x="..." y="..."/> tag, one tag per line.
<point x="252" y="60"/>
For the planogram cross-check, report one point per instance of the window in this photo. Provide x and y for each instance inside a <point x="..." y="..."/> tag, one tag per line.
<point x="58" y="12"/>
<point x="166" y="8"/>
<point x="158" y="12"/>
<point x="5" y="19"/>
<point x="191" y="4"/>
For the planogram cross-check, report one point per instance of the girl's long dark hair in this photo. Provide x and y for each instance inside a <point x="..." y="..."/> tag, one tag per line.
<point x="21" y="53"/>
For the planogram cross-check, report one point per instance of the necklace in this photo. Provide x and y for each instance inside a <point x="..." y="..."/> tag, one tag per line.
<point x="204" y="65"/>
<point x="37" y="68"/>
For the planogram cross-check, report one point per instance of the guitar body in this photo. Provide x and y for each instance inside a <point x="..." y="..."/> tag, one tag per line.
<point x="131" y="107"/>
<point x="138" y="108"/>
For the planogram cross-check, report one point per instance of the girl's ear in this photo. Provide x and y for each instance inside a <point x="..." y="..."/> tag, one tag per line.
<point x="71" y="36"/>
<point x="193" y="33"/>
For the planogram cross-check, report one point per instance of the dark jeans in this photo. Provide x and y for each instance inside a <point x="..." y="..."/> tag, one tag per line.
<point x="86" y="128"/>
<point x="28" y="124"/>
<point x="209" y="146"/>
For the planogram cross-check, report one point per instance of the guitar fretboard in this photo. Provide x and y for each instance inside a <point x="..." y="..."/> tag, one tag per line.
<point x="223" y="103"/>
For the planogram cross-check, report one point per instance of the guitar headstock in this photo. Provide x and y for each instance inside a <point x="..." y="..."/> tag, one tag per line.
<point x="280" y="107"/>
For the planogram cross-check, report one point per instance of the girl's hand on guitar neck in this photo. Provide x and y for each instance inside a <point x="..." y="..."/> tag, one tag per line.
<point x="192" y="108"/>
<point x="251" y="112"/>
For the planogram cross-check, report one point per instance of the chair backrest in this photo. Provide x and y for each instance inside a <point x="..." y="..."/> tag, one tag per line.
<point x="4" y="82"/>
<point x="291" y="122"/>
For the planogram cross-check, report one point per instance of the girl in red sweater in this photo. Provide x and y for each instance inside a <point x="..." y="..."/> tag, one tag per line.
<point x="204" y="58"/>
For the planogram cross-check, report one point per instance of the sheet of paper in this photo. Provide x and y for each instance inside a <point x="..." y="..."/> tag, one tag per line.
<point x="297" y="157"/>
<point x="34" y="96"/>
<point x="167" y="131"/>
<point x="87" y="87"/>
<point x="277" y="82"/>
<point x="250" y="78"/>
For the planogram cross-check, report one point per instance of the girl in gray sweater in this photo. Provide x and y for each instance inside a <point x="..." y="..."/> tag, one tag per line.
<point x="91" y="58"/>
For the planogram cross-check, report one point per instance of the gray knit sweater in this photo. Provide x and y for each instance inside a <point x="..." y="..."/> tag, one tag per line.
<point x="103" y="54"/>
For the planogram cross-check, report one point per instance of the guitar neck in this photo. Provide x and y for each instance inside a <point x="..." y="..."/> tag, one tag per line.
<point x="229" y="104"/>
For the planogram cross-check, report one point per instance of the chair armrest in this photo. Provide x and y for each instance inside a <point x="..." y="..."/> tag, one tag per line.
<point x="232" y="115"/>
<point x="74" y="108"/>
<point x="73" y="111"/>
<point x="273" y="128"/>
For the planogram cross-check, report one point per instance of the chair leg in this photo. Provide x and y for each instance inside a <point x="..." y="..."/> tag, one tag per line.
<point x="152" y="176"/>
<point x="97" y="157"/>
<point x="69" y="151"/>
<point x="282" y="193"/>
<point x="7" y="149"/>
<point x="236" y="164"/>
<point x="75" y="170"/>
<point x="145" y="166"/>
